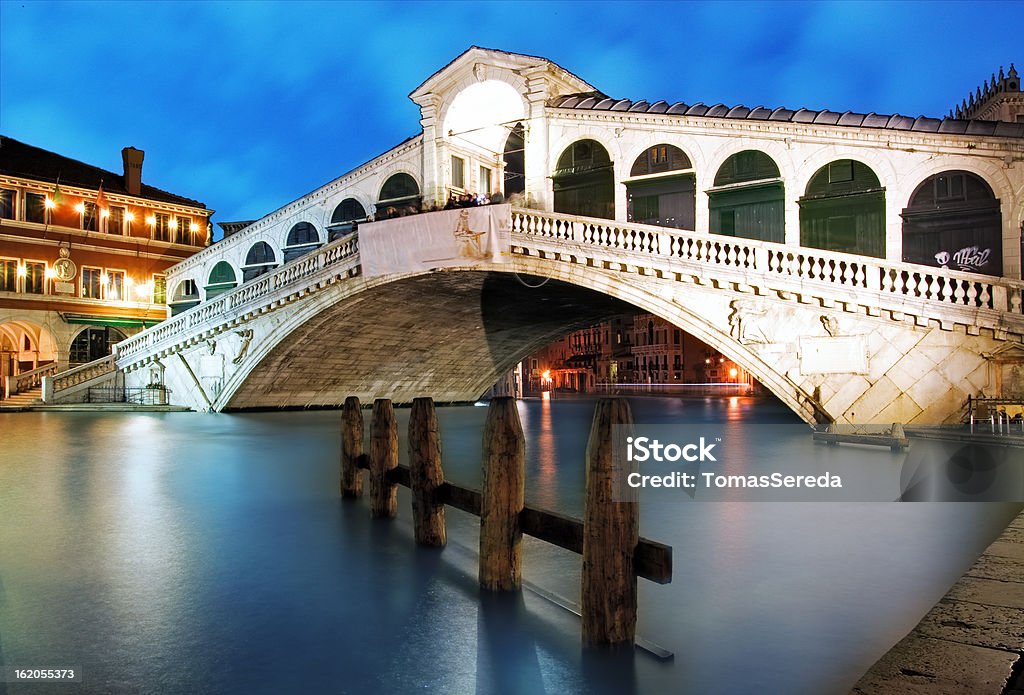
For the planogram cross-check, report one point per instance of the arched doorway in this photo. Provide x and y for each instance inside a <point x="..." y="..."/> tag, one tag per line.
<point x="953" y="220"/>
<point x="399" y="193"/>
<point x="660" y="189"/>
<point x="843" y="209"/>
<point x="515" y="161"/>
<point x="584" y="181"/>
<point x="222" y="279"/>
<point x="748" y="198"/>
<point x="93" y="343"/>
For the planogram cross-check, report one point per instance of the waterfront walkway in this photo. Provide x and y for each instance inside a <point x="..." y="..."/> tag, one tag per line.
<point x="972" y="641"/>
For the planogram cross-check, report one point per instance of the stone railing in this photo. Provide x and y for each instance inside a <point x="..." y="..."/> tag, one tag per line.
<point x="82" y="373"/>
<point x="27" y="381"/>
<point x="945" y="294"/>
<point x="339" y="256"/>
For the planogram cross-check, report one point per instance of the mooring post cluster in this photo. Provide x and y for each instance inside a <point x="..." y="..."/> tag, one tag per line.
<point x="608" y="538"/>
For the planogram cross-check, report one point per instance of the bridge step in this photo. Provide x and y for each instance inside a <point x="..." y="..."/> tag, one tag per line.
<point x="23" y="399"/>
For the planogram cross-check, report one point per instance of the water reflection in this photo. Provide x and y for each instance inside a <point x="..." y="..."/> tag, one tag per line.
<point x="133" y="544"/>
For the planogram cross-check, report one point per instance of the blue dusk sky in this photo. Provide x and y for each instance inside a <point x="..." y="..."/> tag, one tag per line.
<point x="249" y="105"/>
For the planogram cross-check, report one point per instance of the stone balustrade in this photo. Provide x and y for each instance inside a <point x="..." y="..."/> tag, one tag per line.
<point x="27" y="381"/>
<point x="336" y="259"/>
<point x="927" y="293"/>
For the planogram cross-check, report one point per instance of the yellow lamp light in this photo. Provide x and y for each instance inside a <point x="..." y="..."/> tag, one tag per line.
<point x="173" y="224"/>
<point x="193" y="227"/>
<point x="104" y="213"/>
<point x="50" y="273"/>
<point x="80" y="208"/>
<point x="142" y="290"/>
<point x="130" y="216"/>
<point x="50" y="205"/>
<point x="151" y="220"/>
<point x="22" y="270"/>
<point x="105" y="279"/>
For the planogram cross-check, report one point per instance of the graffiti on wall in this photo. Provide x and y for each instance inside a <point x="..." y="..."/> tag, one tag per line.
<point x="970" y="259"/>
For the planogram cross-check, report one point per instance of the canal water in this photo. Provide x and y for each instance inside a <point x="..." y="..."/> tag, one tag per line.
<point x="210" y="553"/>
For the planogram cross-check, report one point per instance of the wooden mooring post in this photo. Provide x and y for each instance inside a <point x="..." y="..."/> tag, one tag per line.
<point x="425" y="474"/>
<point x="502" y="497"/>
<point x="383" y="459"/>
<point x="351" y="448"/>
<point x="614" y="556"/>
<point x="611" y="527"/>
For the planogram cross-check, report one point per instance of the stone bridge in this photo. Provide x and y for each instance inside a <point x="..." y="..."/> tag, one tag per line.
<point x="837" y="337"/>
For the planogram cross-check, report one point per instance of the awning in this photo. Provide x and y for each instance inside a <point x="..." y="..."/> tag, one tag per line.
<point x="112" y="321"/>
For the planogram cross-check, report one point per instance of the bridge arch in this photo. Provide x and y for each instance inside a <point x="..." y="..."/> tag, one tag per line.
<point x="260" y="258"/>
<point x="303" y="237"/>
<point x="455" y="308"/>
<point x="843" y="209"/>
<point x="953" y="219"/>
<point x="748" y="197"/>
<point x="473" y="115"/>
<point x="400" y="189"/>
<point x="222" y="277"/>
<point x="661" y="188"/>
<point x="184" y="295"/>
<point x="1011" y="201"/>
<point x="342" y="218"/>
<point x="584" y="180"/>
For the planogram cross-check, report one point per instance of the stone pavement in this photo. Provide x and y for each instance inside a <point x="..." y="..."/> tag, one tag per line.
<point x="972" y="641"/>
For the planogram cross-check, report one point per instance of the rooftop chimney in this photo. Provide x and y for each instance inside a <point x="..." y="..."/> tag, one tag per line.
<point x="132" y="169"/>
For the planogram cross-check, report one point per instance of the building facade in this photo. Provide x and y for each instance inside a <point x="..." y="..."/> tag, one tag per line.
<point x="631" y="351"/>
<point x="84" y="254"/>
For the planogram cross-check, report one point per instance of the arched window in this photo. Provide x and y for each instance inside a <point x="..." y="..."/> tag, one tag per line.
<point x="399" y="191"/>
<point x="661" y="188"/>
<point x="222" y="279"/>
<point x="953" y="220"/>
<point x="302" y="238"/>
<point x="259" y="260"/>
<point x="185" y="296"/>
<point x="344" y="217"/>
<point x="584" y="181"/>
<point x="748" y="199"/>
<point x="94" y="343"/>
<point x="843" y="209"/>
<point x="515" y="161"/>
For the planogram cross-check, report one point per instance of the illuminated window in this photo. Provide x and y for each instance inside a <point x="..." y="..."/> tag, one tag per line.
<point x="7" y="198"/>
<point x="183" y="232"/>
<point x="159" y="289"/>
<point x="161" y="228"/>
<point x="115" y="285"/>
<point x="35" y="277"/>
<point x="90" y="218"/>
<point x="115" y="221"/>
<point x="8" y="275"/>
<point x="35" y="207"/>
<point x="92" y="282"/>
